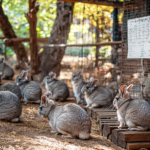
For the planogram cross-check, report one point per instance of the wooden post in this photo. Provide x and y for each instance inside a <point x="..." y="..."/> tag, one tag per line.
<point x="32" y="19"/>
<point x="97" y="40"/>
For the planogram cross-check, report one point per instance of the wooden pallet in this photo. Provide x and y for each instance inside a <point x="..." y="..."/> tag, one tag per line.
<point x="108" y="126"/>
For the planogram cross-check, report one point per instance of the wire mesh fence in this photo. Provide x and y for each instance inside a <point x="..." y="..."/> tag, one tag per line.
<point x="134" y="71"/>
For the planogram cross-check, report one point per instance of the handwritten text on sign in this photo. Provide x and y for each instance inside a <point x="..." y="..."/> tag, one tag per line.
<point x="139" y="37"/>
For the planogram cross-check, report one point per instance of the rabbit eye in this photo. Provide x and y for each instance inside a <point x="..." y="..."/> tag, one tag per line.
<point x="40" y="108"/>
<point x="117" y="98"/>
<point x="87" y="87"/>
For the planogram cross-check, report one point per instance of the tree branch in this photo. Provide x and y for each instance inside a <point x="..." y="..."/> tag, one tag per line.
<point x="36" y="8"/>
<point x="27" y="16"/>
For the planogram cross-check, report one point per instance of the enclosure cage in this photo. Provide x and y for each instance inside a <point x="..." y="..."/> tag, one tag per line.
<point x="134" y="71"/>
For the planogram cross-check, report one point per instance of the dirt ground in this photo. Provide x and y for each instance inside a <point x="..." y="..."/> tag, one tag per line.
<point x="33" y="133"/>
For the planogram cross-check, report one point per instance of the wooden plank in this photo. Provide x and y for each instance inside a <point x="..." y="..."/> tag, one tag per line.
<point x="116" y="131"/>
<point x="79" y="45"/>
<point x="138" y="145"/>
<point x="89" y="112"/>
<point x="108" y="127"/>
<point x="106" y="3"/>
<point x="40" y="40"/>
<point x="105" y="116"/>
<point x="121" y="143"/>
<point x="101" y="123"/>
<point x="101" y="126"/>
<point x="96" y="110"/>
<point x="134" y="136"/>
<point x="114" y="139"/>
<point x="111" y="119"/>
<point x="114" y="134"/>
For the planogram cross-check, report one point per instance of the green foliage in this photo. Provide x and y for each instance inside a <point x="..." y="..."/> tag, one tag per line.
<point x="81" y="52"/>
<point x="46" y="16"/>
<point x="15" y="11"/>
<point x="87" y="18"/>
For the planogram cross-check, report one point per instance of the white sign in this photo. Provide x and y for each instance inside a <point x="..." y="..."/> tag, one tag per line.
<point x="139" y="37"/>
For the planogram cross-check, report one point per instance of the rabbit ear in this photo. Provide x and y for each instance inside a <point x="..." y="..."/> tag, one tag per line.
<point x="123" y="89"/>
<point x="95" y="82"/>
<point x="48" y="94"/>
<point x="129" y="87"/>
<point x="91" y="79"/>
<point x="44" y="100"/>
<point x="24" y="74"/>
<point x="27" y="66"/>
<point x="52" y="75"/>
<point x="80" y="72"/>
<point x="45" y="79"/>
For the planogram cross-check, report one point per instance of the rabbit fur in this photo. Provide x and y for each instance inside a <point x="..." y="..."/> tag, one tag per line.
<point x="97" y="96"/>
<point x="78" y="82"/>
<point x="70" y="120"/>
<point x="30" y="90"/>
<point x="12" y="87"/>
<point x="7" y="71"/>
<point x="146" y="89"/>
<point x="58" y="88"/>
<point x="10" y="106"/>
<point x="135" y="113"/>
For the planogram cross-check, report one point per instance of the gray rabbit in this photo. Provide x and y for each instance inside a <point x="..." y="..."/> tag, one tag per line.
<point x="146" y="89"/>
<point x="97" y="96"/>
<point x="30" y="90"/>
<point x="12" y="87"/>
<point x="135" y="113"/>
<point x="78" y="82"/>
<point x="10" y="106"/>
<point x="7" y="71"/>
<point x="70" y="120"/>
<point x="58" y="88"/>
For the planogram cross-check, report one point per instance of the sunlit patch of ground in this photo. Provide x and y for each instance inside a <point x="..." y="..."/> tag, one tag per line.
<point x="33" y="132"/>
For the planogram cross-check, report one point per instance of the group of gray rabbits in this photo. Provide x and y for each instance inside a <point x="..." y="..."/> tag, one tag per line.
<point x="135" y="113"/>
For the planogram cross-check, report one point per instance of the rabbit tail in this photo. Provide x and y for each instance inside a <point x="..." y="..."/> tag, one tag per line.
<point x="84" y="135"/>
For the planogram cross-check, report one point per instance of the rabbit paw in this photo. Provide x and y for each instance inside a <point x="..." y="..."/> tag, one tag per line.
<point x="25" y="103"/>
<point x="119" y="127"/>
<point x="67" y="136"/>
<point x="53" y="131"/>
<point x="91" y="107"/>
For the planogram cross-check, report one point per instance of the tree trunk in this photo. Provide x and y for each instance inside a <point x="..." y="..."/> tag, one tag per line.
<point x="32" y="19"/>
<point x="97" y="41"/>
<point x="9" y="33"/>
<point x="51" y="58"/>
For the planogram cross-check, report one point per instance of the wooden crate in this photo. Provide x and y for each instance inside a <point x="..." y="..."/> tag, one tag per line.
<point x="108" y="125"/>
<point x="131" y="139"/>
